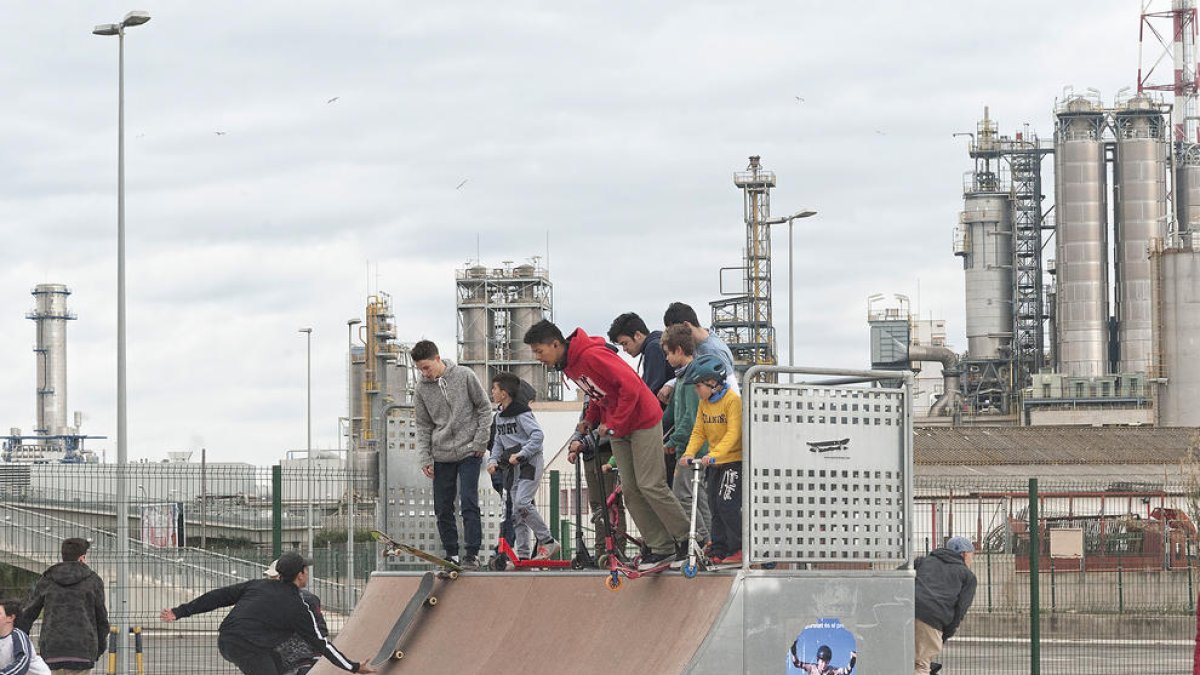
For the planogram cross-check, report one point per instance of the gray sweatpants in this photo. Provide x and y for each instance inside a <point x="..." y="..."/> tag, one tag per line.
<point x="526" y="519"/>
<point x="654" y="509"/>
<point x="683" y="492"/>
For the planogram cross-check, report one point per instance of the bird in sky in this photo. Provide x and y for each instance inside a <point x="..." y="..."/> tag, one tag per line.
<point x="881" y="133"/>
<point x="799" y="99"/>
<point x="220" y="133"/>
<point x="462" y="184"/>
<point x="333" y="99"/>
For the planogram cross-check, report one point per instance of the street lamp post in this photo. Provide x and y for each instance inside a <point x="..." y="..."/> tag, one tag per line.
<point x="121" y="594"/>
<point x="350" y="461"/>
<point x="309" y="469"/>
<point x="802" y="213"/>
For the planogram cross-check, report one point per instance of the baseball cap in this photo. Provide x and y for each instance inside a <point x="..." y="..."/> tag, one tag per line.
<point x="290" y="564"/>
<point x="960" y="545"/>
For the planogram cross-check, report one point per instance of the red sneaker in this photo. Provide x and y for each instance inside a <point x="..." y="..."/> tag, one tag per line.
<point x="734" y="559"/>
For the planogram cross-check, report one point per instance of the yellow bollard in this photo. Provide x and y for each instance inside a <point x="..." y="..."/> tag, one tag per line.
<point x="137" y="650"/>
<point x="112" y="650"/>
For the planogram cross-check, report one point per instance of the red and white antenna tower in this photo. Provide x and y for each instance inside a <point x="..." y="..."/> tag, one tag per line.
<point x="1181" y="48"/>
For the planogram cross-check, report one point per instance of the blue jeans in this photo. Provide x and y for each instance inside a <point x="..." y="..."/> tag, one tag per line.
<point x="464" y="475"/>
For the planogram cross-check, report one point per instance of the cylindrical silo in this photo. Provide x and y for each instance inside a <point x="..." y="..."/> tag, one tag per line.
<point x="1081" y="239"/>
<point x="51" y="315"/>
<point x="1141" y="177"/>
<point x="1180" y="270"/>
<point x="987" y="252"/>
<point x="1187" y="189"/>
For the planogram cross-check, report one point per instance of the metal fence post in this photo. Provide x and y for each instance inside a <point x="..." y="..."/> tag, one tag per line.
<point x="1035" y="554"/>
<point x="276" y="511"/>
<point x="988" y="557"/>
<point x="554" y="514"/>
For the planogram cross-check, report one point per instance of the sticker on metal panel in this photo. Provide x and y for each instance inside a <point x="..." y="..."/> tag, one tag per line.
<point x="824" y="647"/>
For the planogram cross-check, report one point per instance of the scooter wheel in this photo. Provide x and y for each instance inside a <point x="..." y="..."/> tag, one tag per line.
<point x="577" y="564"/>
<point x="689" y="570"/>
<point x="612" y="582"/>
<point x="498" y="564"/>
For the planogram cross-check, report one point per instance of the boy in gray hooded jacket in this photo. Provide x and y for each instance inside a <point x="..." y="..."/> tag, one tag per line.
<point x="517" y="450"/>
<point x="453" y="421"/>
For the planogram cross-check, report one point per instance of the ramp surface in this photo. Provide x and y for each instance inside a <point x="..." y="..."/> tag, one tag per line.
<point x="534" y="623"/>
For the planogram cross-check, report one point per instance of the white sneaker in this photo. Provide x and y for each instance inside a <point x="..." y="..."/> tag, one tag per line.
<point x="547" y="550"/>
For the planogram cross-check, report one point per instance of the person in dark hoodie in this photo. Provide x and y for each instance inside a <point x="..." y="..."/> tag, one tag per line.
<point x="945" y="588"/>
<point x="265" y="614"/>
<point x="71" y="596"/>
<point x="517" y="451"/>
<point x="630" y="331"/>
<point x="454" y="419"/>
<point x="625" y="410"/>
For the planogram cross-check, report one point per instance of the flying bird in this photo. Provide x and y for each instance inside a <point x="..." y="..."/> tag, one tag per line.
<point x="459" y="187"/>
<point x="220" y="133"/>
<point x="881" y="133"/>
<point x="333" y="99"/>
<point x="799" y="100"/>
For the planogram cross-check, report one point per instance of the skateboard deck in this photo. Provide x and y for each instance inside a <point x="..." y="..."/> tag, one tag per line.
<point x="424" y="596"/>
<point x="394" y="547"/>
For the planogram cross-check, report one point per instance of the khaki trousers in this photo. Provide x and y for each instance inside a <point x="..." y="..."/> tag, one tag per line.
<point x="929" y="645"/>
<point x="654" y="509"/>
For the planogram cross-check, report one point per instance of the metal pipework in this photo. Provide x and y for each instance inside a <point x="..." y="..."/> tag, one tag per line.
<point x="949" y="361"/>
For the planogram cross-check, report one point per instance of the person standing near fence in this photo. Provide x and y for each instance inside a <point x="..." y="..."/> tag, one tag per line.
<point x="17" y="655"/>
<point x="454" y="418"/>
<point x="945" y="588"/>
<point x="75" y="624"/>
<point x="265" y="614"/>
<point x="295" y="654"/>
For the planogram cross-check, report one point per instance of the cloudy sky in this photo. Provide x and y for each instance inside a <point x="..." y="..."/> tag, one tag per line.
<point x="605" y="132"/>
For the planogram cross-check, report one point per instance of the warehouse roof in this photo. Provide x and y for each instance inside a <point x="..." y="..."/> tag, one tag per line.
<point x="1065" y="445"/>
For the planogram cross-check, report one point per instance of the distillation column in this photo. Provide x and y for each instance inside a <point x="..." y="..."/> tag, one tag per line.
<point x="51" y="316"/>
<point x="1082" y="239"/>
<point x="1141" y="212"/>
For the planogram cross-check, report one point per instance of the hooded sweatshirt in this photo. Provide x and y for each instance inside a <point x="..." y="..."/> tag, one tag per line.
<point x="453" y="416"/>
<point x="619" y="398"/>
<point x="945" y="588"/>
<point x="517" y="433"/>
<point x="75" y="627"/>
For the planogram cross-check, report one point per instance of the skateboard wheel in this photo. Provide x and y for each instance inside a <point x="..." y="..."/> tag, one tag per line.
<point x="432" y="600"/>
<point x="453" y="574"/>
<point x="689" y="570"/>
<point x="612" y="582"/>
<point x="398" y="654"/>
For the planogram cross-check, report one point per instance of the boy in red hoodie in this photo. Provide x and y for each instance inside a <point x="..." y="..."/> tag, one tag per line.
<point x="627" y="412"/>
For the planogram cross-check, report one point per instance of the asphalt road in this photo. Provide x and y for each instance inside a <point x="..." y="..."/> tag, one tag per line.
<point x="198" y="654"/>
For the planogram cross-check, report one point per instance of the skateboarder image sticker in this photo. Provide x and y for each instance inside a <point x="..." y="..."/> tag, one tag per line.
<point x="824" y="647"/>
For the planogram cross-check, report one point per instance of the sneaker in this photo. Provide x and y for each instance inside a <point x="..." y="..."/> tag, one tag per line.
<point x="547" y="550"/>
<point x="470" y="563"/>
<point x="734" y="558"/>
<point x="652" y="560"/>
<point x="454" y="559"/>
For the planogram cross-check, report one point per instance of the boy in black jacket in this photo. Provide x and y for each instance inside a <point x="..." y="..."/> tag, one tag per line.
<point x="945" y="588"/>
<point x="265" y="613"/>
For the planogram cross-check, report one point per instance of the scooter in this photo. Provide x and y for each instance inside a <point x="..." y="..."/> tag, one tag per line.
<point x="696" y="559"/>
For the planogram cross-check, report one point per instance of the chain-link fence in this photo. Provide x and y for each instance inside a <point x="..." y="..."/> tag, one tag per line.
<point x="1103" y="583"/>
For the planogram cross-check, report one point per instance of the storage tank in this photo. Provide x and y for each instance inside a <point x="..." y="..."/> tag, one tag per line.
<point x="1081" y="239"/>
<point x="1180" y="269"/>
<point x="1141" y="212"/>
<point x="1187" y="189"/>
<point x="986" y="247"/>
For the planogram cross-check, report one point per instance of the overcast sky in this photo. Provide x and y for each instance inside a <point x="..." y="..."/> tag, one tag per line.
<point x="610" y="130"/>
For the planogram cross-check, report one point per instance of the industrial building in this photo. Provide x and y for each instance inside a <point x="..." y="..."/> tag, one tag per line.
<point x="1084" y="312"/>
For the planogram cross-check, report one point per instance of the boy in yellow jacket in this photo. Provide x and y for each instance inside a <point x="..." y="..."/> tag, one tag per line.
<point x="719" y="422"/>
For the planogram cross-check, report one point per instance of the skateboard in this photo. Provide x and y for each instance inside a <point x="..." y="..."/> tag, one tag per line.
<point x="394" y="548"/>
<point x="424" y="596"/>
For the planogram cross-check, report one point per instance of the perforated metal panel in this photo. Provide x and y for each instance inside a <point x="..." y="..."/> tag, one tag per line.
<point x="827" y="468"/>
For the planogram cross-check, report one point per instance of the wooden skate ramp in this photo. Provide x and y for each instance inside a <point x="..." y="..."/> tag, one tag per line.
<point x="535" y="623"/>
